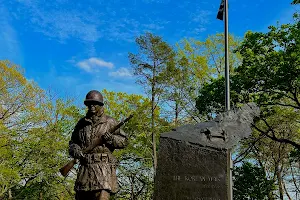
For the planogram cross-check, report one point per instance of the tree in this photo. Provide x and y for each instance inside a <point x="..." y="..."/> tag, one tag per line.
<point x="294" y="170"/>
<point x="135" y="172"/>
<point x="197" y="63"/>
<point x="44" y="150"/>
<point x="213" y="50"/>
<point x="274" y="156"/>
<point x="250" y="182"/>
<point x="17" y="97"/>
<point x="150" y="67"/>
<point x="189" y="72"/>
<point x="34" y="131"/>
<point x="269" y="75"/>
<point x="271" y="72"/>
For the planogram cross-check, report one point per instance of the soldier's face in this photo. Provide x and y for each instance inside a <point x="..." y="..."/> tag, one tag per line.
<point x="95" y="108"/>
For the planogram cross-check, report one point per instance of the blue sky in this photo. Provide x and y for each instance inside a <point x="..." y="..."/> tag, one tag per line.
<point x="72" y="47"/>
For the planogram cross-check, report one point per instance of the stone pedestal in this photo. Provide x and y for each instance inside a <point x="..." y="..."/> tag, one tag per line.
<point x="192" y="159"/>
<point x="190" y="172"/>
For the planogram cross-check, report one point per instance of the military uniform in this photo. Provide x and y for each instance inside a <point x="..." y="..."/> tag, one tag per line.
<point x="97" y="169"/>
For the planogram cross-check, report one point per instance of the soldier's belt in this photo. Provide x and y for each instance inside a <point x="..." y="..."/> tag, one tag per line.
<point x="95" y="158"/>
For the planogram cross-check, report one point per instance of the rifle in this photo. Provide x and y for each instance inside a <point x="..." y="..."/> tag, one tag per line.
<point x="65" y="169"/>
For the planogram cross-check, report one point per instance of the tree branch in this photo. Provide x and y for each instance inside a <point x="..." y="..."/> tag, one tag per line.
<point x="274" y="138"/>
<point x="246" y="152"/>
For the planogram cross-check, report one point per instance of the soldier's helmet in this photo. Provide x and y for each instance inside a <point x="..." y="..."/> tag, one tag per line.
<point x="94" y="97"/>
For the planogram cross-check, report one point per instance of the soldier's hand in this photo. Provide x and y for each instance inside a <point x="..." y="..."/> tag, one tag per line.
<point x="108" y="136"/>
<point x="98" y="149"/>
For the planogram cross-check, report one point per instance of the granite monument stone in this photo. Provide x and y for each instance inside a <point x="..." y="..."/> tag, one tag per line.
<point x="192" y="159"/>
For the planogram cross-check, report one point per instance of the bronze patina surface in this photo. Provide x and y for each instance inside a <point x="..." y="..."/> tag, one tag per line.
<point x="96" y="178"/>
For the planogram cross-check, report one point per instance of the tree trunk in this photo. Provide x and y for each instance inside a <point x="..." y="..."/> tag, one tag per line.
<point x="294" y="179"/>
<point x="132" y="188"/>
<point x="279" y="180"/>
<point x="258" y="158"/>
<point x="9" y="194"/>
<point x="152" y="120"/>
<point x="176" y="113"/>
<point x="286" y="192"/>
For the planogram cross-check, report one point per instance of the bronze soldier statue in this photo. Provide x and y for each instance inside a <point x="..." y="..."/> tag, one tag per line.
<point x="96" y="178"/>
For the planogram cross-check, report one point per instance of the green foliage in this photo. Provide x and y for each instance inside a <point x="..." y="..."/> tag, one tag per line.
<point x="189" y="73"/>
<point x="211" y="99"/>
<point x="250" y="182"/>
<point x="35" y="127"/>
<point x="151" y="62"/>
<point x="269" y="72"/>
<point x="34" y="131"/>
<point x="295" y="155"/>
<point x="150" y="65"/>
<point x="271" y="65"/>
<point x="135" y="172"/>
<point x="269" y="75"/>
<point x="200" y="62"/>
<point x="213" y="50"/>
<point x="192" y="51"/>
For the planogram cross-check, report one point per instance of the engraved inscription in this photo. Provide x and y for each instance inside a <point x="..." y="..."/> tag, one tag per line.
<point x="188" y="172"/>
<point x="197" y="178"/>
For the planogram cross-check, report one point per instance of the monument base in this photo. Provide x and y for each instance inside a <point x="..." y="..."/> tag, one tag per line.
<point x="190" y="172"/>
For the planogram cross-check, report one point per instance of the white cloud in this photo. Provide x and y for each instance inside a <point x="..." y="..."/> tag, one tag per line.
<point x="200" y="30"/>
<point x="55" y="22"/>
<point x="9" y="42"/>
<point x="153" y="26"/>
<point x="92" y="64"/>
<point x="122" y="72"/>
<point x="116" y="85"/>
<point x="201" y="16"/>
<point x="85" y="23"/>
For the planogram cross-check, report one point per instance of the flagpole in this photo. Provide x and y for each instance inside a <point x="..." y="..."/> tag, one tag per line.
<point x="227" y="98"/>
<point x="223" y="12"/>
<point x="227" y="89"/>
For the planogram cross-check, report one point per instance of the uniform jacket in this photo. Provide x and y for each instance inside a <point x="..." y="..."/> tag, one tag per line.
<point x="97" y="170"/>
